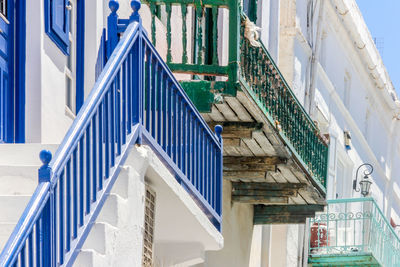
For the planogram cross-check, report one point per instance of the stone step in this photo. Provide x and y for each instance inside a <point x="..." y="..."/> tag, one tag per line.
<point x="101" y="237"/>
<point x="90" y="258"/>
<point x="5" y="232"/>
<point x="11" y="207"/>
<point x="23" y="154"/>
<point x="113" y="210"/>
<point x="18" y="180"/>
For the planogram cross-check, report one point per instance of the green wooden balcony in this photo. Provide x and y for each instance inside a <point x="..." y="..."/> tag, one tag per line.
<point x="268" y="136"/>
<point x="353" y="232"/>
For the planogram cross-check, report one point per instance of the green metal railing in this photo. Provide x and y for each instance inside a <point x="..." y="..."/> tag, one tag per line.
<point x="263" y="80"/>
<point x="353" y="228"/>
<point x="250" y="66"/>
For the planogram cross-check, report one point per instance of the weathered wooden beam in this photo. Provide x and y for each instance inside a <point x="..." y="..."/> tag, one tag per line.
<point x="280" y="219"/>
<point x="267" y="186"/>
<point x="235" y="142"/>
<point x="237" y="129"/>
<point x="244" y="175"/>
<point x="265" y="193"/>
<point x="312" y="195"/>
<point x="287" y="209"/>
<point x="252" y="163"/>
<point x="270" y="214"/>
<point x="249" y="167"/>
<point x="280" y="200"/>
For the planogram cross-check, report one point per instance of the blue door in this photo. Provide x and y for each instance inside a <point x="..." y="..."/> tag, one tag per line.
<point x="7" y="94"/>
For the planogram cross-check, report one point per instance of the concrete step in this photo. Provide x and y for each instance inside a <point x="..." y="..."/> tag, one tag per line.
<point x="113" y="210"/>
<point x="18" y="180"/>
<point x="90" y="258"/>
<point x="101" y="237"/>
<point x="5" y="232"/>
<point x="121" y="185"/>
<point x="23" y="154"/>
<point x="11" y="207"/>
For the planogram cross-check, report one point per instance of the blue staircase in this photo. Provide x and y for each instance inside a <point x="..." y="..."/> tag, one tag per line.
<point x="136" y="100"/>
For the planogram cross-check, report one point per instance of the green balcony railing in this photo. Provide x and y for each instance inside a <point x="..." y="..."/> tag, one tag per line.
<point x="202" y="47"/>
<point x="192" y="31"/>
<point x="353" y="232"/>
<point x="263" y="80"/>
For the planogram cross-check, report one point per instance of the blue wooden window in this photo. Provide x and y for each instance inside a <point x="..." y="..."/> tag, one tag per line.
<point x="57" y="22"/>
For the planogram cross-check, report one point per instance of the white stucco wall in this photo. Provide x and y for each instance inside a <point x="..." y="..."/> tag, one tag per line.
<point x="348" y="97"/>
<point x="237" y="228"/>
<point x="45" y="112"/>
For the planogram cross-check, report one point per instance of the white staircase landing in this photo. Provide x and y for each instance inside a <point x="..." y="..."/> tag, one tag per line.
<point x="19" y="165"/>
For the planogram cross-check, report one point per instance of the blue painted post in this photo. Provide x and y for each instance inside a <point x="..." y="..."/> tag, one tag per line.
<point x="218" y="208"/>
<point x="135" y="5"/>
<point x="138" y="59"/>
<point x="112" y="27"/>
<point x="47" y="237"/>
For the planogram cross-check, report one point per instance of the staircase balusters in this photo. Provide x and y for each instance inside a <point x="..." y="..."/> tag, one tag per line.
<point x="151" y="107"/>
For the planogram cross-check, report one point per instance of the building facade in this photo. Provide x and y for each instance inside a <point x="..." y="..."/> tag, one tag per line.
<point x="195" y="133"/>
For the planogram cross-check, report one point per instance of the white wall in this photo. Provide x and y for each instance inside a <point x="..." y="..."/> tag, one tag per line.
<point x="46" y="116"/>
<point x="237" y="229"/>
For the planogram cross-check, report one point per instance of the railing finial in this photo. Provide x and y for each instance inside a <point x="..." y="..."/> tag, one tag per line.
<point x="113" y="5"/>
<point x="135" y="5"/>
<point x="45" y="171"/>
<point x="218" y="131"/>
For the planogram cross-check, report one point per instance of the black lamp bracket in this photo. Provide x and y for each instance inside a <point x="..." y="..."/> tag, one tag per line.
<point x="369" y="169"/>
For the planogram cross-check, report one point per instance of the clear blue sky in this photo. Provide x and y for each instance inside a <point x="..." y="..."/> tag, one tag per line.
<point x="383" y="20"/>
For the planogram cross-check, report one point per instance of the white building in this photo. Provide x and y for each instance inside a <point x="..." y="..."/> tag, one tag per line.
<point x="137" y="177"/>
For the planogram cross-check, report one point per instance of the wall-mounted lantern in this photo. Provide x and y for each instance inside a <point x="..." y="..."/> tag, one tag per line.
<point x="365" y="183"/>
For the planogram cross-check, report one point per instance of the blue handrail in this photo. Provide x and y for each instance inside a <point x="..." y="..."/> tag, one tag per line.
<point x="135" y="99"/>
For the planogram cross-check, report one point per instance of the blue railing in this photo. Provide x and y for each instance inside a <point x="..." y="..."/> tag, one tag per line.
<point x="135" y="98"/>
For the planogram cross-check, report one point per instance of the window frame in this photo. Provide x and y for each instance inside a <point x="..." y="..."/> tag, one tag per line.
<point x="60" y="39"/>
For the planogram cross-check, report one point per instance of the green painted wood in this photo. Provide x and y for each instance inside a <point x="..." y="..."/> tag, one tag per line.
<point x="205" y="3"/>
<point x="234" y="40"/>
<point x="281" y="219"/>
<point x="184" y="33"/>
<point x="200" y="94"/>
<point x="153" y="10"/>
<point x="168" y="9"/>
<point x="288" y="209"/>
<point x="215" y="35"/>
<point x="364" y="259"/>
<point x="210" y="70"/>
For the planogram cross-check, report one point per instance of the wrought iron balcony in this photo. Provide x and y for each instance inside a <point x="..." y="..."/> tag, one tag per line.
<point x="353" y="232"/>
<point x="266" y="85"/>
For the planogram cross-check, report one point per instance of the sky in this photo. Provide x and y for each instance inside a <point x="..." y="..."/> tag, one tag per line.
<point x="383" y="20"/>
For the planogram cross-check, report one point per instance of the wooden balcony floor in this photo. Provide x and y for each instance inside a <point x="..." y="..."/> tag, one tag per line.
<point x="260" y="140"/>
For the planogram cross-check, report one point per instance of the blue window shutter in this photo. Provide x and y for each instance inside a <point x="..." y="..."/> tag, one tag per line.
<point x="57" y="20"/>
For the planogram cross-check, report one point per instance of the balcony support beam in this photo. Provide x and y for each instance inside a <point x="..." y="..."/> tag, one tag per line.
<point x="286" y="214"/>
<point x="265" y="193"/>
<point x="237" y="129"/>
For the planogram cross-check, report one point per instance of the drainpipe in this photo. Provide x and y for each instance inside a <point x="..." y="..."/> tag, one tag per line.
<point x="309" y="99"/>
